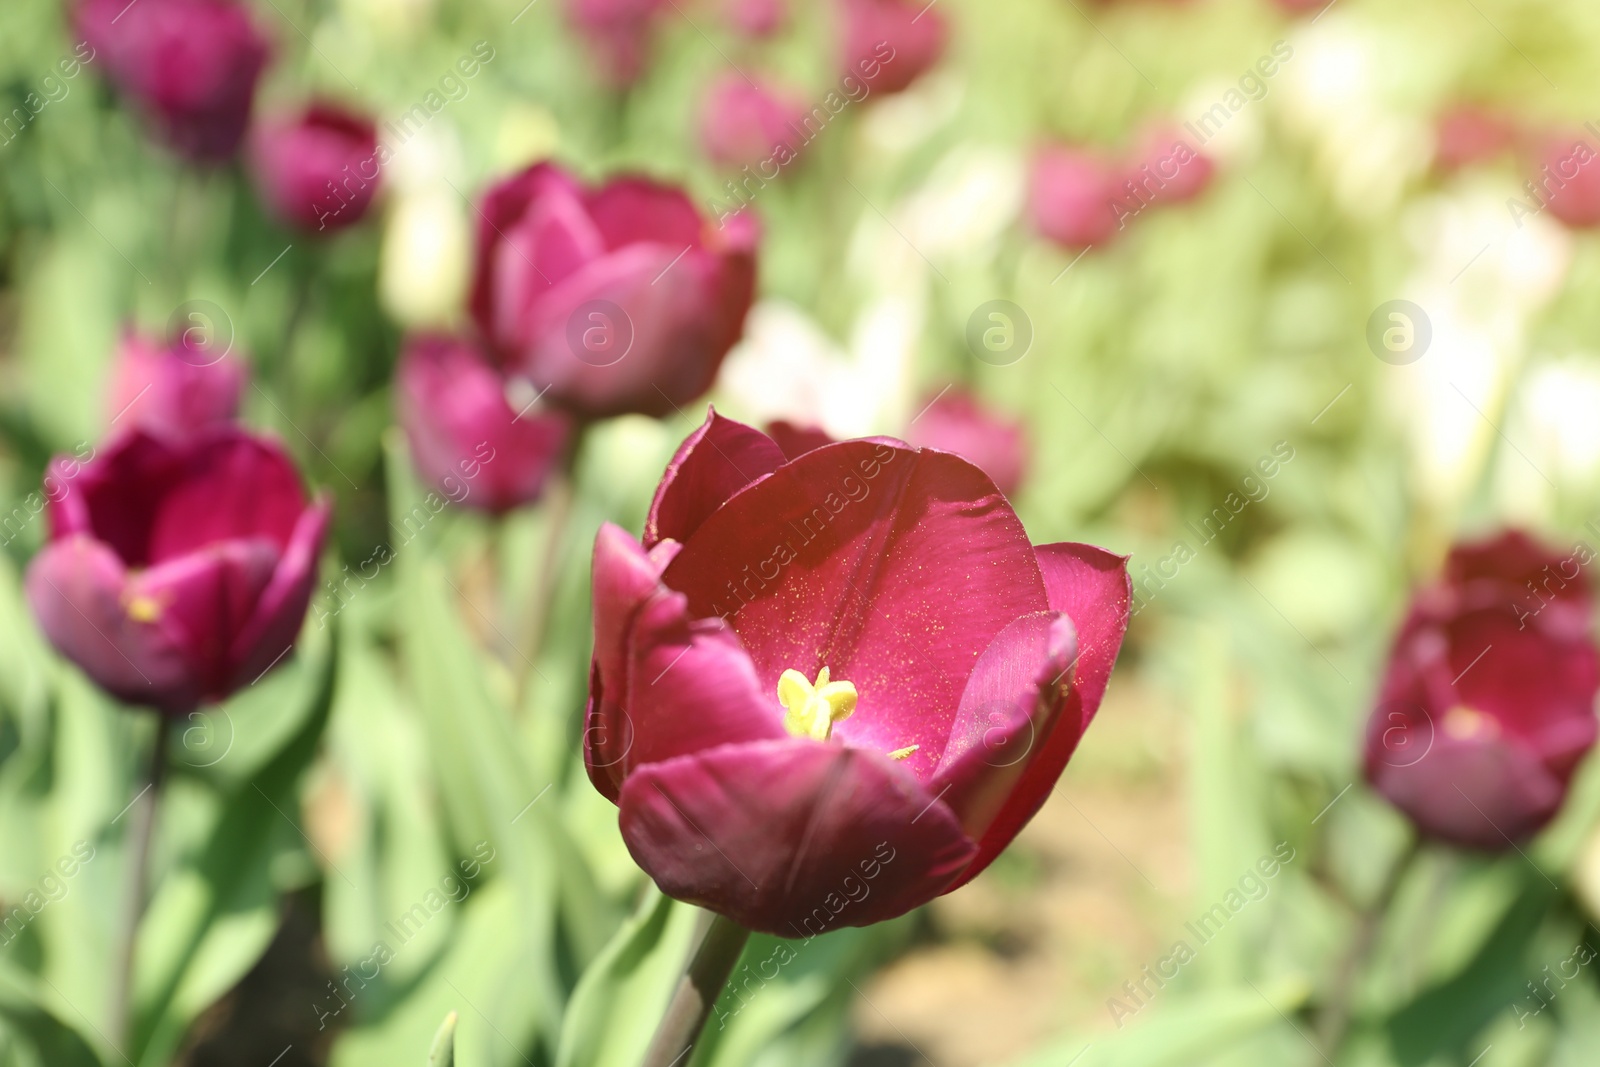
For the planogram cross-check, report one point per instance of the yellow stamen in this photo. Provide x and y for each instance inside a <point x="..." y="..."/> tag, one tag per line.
<point x="904" y="753"/>
<point x="811" y="709"/>
<point x="143" y="608"/>
<point x="1465" y="724"/>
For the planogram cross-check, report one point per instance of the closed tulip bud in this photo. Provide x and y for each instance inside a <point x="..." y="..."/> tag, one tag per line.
<point x="954" y="422"/>
<point x="890" y="43"/>
<point x="1167" y="169"/>
<point x="1487" y="704"/>
<point x="175" y="390"/>
<point x="177" y="571"/>
<point x="1073" y="197"/>
<point x="828" y="689"/>
<point x="466" y="437"/>
<point x="317" y="169"/>
<point x="190" y="65"/>
<point x="1465" y="135"/>
<point x="614" y="299"/>
<point x="745" y="124"/>
<point x="1569" y="183"/>
<point x="620" y="33"/>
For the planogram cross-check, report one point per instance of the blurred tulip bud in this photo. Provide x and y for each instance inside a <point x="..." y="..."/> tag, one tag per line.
<point x="890" y="43"/>
<point x="174" y="391"/>
<point x="1466" y="134"/>
<point x="617" y="299"/>
<point x="177" y="572"/>
<point x="1166" y="169"/>
<point x="620" y="32"/>
<point x="742" y="123"/>
<point x="317" y="170"/>
<point x="466" y="437"/>
<point x="1073" y="197"/>
<point x="1568" y="182"/>
<point x="1488" y="701"/>
<point x="756" y="18"/>
<point x="954" y="422"/>
<point x="190" y="65"/>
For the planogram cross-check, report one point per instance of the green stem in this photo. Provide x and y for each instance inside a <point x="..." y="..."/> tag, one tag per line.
<point x="141" y="829"/>
<point x="1334" y="1022"/>
<point x="697" y="991"/>
<point x="560" y="508"/>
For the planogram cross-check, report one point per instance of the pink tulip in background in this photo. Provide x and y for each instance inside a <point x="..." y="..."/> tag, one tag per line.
<point x="174" y="390"/>
<point x="317" y="169"/>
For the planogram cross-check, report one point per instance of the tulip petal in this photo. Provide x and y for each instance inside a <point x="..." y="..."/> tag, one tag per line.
<point x="234" y="485"/>
<point x="1091" y="586"/>
<point x="791" y="837"/>
<point x="713" y="463"/>
<point x="1009" y="709"/>
<point x="893" y="568"/>
<point x="629" y="210"/>
<point x="77" y="588"/>
<point x="1473" y="793"/>
<point x="281" y="610"/>
<point x="115" y="496"/>
<point x="502" y="206"/>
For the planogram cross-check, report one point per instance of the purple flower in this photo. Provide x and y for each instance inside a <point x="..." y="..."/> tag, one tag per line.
<point x="177" y="571"/>
<point x="465" y="436"/>
<point x="744" y="124"/>
<point x="174" y="391"/>
<point x="1072" y="197"/>
<point x="954" y="422"/>
<point x="317" y="169"/>
<point x="844" y="668"/>
<point x="616" y="299"/>
<point x="620" y="33"/>
<point x="190" y="65"/>
<point x="890" y="43"/>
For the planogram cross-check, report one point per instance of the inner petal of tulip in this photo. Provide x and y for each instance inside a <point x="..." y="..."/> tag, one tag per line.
<point x="1462" y="723"/>
<point x="811" y="709"/>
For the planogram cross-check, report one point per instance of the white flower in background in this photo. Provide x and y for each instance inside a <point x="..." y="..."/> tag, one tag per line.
<point x="1479" y="279"/>
<point x="786" y="367"/>
<point x="422" y="272"/>
<point x="1342" y="92"/>
<point x="1553" y="423"/>
<point x="971" y="196"/>
<point x="391" y="19"/>
<point x="893" y="125"/>
<point x="1234" y="140"/>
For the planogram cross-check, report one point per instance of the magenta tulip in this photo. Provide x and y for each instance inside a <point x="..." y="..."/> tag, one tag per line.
<point x="466" y="438"/>
<point x="890" y="43"/>
<point x="745" y="124"/>
<point x="619" y="32"/>
<point x="1166" y="169"/>
<point x="796" y="440"/>
<point x="756" y="18"/>
<point x="827" y="690"/>
<point x="177" y="572"/>
<point x="174" y="391"/>
<point x="190" y="65"/>
<point x="317" y="169"/>
<point x="1488" y="701"/>
<point x="1073" y="197"/>
<point x="954" y="422"/>
<point x="1466" y="134"/>
<point x="617" y="299"/>
<point x="1569" y="182"/>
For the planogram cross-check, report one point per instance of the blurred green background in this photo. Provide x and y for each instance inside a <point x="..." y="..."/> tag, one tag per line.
<point x="396" y="745"/>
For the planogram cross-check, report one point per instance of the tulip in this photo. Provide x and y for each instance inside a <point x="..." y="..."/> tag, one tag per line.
<point x="756" y="18"/>
<point x="795" y="440"/>
<point x="846" y="670"/>
<point x="617" y="299"/>
<point x="954" y="422"/>
<point x="1166" y="169"/>
<point x="466" y="437"/>
<point x="620" y="32"/>
<point x="1465" y="135"/>
<point x="1569" y="182"/>
<point x="742" y="123"/>
<point x="1073" y="197"/>
<point x="317" y="169"/>
<point x="890" y="43"/>
<point x="190" y="65"/>
<point x="174" y="391"/>
<point x="177" y="571"/>
<point x="1487" y="704"/>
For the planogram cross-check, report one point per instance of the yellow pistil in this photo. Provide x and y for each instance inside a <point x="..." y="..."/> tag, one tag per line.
<point x="1462" y="723"/>
<point x="810" y="710"/>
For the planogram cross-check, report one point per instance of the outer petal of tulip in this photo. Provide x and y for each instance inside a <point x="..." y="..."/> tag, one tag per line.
<point x="176" y="390"/>
<point x="281" y="608"/>
<point x="781" y="836"/>
<point x="720" y="458"/>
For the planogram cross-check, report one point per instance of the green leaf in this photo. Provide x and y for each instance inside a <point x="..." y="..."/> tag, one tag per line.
<point x="620" y="999"/>
<point x="443" y="1053"/>
<point x="23" y="1011"/>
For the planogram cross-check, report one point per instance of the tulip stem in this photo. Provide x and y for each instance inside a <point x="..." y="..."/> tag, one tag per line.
<point x="135" y="873"/>
<point x="697" y="991"/>
<point x="562" y="498"/>
<point x="1334" y="1022"/>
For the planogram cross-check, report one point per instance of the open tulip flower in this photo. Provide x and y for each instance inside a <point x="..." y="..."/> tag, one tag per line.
<point x="829" y="689"/>
<point x="178" y="570"/>
<point x="617" y="299"/>
<point x="1488" y="702"/>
